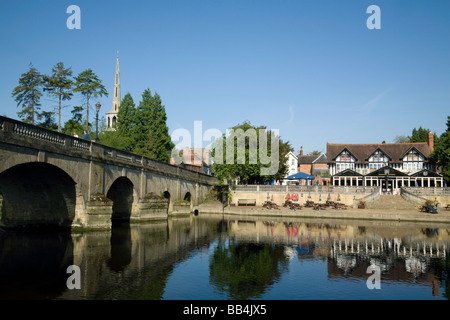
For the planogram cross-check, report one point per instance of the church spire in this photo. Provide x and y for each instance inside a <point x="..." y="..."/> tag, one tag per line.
<point x="111" y="116"/>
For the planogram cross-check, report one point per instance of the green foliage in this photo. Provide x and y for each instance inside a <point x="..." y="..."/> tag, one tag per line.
<point x="48" y="121"/>
<point x="89" y="85"/>
<point x="441" y="153"/>
<point x="60" y="85"/>
<point x="28" y="94"/>
<point x="126" y="120"/>
<point x="114" y="139"/>
<point x="246" y="271"/>
<point x="247" y="165"/>
<point x="74" y="124"/>
<point x="150" y="134"/>
<point x="420" y="135"/>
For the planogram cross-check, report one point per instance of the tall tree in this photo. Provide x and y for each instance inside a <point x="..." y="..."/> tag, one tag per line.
<point x="121" y="138"/>
<point x="74" y="124"/>
<point x="48" y="122"/>
<point x="60" y="85"/>
<point x="441" y="153"/>
<point x="89" y="85"/>
<point x="150" y="133"/>
<point x="28" y="94"/>
<point x="420" y="135"/>
<point x="159" y="138"/>
<point x="238" y="155"/>
<point x="126" y="120"/>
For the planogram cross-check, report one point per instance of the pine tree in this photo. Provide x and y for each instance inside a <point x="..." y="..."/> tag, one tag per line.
<point x="140" y="132"/>
<point x="28" y="94"/>
<point x="121" y="138"/>
<point x="89" y="85"/>
<point x="441" y="153"/>
<point x="160" y="140"/>
<point x="60" y="85"/>
<point x="74" y="124"/>
<point x="150" y="134"/>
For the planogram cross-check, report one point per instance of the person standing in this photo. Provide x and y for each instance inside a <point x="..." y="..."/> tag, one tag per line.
<point x="85" y="135"/>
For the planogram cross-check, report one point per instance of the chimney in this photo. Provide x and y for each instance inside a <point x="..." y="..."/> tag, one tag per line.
<point x="301" y="150"/>
<point x="431" y="141"/>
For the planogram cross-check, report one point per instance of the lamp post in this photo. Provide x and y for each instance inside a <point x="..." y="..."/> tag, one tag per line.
<point x="97" y="108"/>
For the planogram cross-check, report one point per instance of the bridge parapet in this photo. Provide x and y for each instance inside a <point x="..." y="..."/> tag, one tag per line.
<point x="47" y="177"/>
<point x="24" y="134"/>
<point x="18" y="132"/>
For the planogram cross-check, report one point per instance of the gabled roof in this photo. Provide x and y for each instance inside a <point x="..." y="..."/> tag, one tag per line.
<point x="348" y="173"/>
<point x="362" y="152"/>
<point x="390" y="172"/>
<point x="345" y="149"/>
<point x="413" y="148"/>
<point x="321" y="159"/>
<point x="425" y="173"/>
<point x="384" y="152"/>
<point x="312" y="159"/>
<point x="292" y="154"/>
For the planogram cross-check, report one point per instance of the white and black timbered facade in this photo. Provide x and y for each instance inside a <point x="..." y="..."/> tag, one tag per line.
<point x="389" y="165"/>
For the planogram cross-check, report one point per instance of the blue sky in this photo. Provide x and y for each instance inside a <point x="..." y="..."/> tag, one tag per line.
<point x="311" y="69"/>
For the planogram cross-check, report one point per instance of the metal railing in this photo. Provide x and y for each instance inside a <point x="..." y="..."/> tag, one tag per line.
<point x="302" y="188"/>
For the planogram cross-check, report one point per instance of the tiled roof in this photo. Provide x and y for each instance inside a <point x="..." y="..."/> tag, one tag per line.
<point x="362" y="152"/>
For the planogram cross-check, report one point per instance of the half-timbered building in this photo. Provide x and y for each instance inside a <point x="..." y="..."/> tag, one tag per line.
<point x="388" y="165"/>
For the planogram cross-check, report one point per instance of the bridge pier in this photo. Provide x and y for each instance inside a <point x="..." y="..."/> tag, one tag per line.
<point x="151" y="207"/>
<point x="49" y="178"/>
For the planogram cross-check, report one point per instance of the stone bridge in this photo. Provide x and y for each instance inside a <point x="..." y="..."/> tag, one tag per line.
<point x="49" y="178"/>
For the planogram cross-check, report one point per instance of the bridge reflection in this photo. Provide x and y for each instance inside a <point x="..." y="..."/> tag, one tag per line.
<point x="135" y="261"/>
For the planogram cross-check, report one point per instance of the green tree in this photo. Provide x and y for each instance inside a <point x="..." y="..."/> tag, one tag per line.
<point x="441" y="154"/>
<point x="246" y="270"/>
<point x="420" y="135"/>
<point x="243" y="143"/>
<point x="48" y="122"/>
<point x="60" y="85"/>
<point x="89" y="85"/>
<point x="28" y="94"/>
<point x="74" y="124"/>
<point x="150" y="134"/>
<point x="126" y="120"/>
<point x="401" y="139"/>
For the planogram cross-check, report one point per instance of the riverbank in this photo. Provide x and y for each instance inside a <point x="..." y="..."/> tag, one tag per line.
<point x="442" y="216"/>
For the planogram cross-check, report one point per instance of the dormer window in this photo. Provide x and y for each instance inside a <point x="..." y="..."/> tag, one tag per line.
<point x="377" y="160"/>
<point x="413" y="161"/>
<point x="345" y="161"/>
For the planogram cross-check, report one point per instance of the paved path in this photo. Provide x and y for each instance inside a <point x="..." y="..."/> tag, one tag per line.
<point x="371" y="214"/>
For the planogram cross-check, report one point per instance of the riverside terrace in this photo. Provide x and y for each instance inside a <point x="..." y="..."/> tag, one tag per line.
<point x="403" y="206"/>
<point x="49" y="178"/>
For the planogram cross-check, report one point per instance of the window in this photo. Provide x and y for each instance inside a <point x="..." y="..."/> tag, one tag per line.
<point x="413" y="161"/>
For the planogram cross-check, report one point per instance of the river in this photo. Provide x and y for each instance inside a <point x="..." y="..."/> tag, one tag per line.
<point x="226" y="257"/>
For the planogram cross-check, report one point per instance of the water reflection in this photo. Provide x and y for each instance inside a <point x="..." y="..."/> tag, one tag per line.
<point x="246" y="270"/>
<point x="33" y="264"/>
<point x="246" y="258"/>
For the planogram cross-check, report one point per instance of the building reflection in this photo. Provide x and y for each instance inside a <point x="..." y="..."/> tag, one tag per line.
<point x="247" y="258"/>
<point x="403" y="253"/>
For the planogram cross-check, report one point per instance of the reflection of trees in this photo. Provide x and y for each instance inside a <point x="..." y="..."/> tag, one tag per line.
<point x="245" y="270"/>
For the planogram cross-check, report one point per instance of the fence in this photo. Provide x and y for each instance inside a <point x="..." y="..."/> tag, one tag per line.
<point x="299" y="188"/>
<point x="432" y="191"/>
<point x="412" y="197"/>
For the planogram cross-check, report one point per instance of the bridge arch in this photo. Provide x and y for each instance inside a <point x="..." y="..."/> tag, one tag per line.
<point x="37" y="193"/>
<point x="188" y="197"/>
<point x="123" y="195"/>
